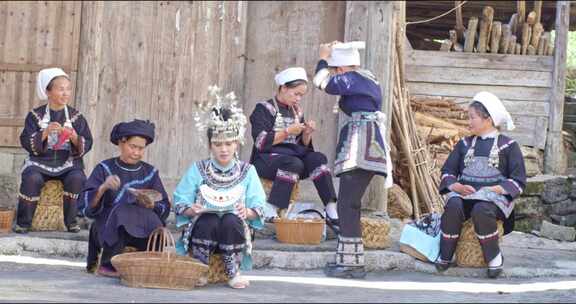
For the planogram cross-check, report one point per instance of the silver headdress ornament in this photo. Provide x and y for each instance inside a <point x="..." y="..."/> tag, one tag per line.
<point x="209" y="116"/>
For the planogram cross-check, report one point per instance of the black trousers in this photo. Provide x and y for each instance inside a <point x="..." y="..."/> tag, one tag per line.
<point x="484" y="216"/>
<point x="124" y="239"/>
<point x="31" y="186"/>
<point x="219" y="234"/>
<point x="353" y="184"/>
<point x="94" y="247"/>
<point x="286" y="170"/>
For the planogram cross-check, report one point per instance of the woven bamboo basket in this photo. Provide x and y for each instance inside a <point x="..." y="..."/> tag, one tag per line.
<point x="299" y="231"/>
<point x="6" y="219"/>
<point x="399" y="204"/>
<point x="216" y="273"/>
<point x="468" y="250"/>
<point x="159" y="266"/>
<point x="413" y="253"/>
<point x="49" y="215"/>
<point x="375" y="232"/>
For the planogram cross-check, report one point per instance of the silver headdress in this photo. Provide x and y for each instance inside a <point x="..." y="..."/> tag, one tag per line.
<point x="210" y="116"/>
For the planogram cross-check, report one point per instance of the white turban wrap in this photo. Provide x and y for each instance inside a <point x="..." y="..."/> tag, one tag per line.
<point x="346" y="54"/>
<point x="290" y="74"/>
<point x="44" y="78"/>
<point x="496" y="109"/>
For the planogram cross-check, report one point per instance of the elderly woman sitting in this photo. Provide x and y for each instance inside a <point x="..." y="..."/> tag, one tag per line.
<point x="111" y="197"/>
<point x="56" y="137"/>
<point x="481" y="178"/>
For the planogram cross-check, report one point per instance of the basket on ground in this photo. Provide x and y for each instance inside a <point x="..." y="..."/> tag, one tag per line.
<point x="468" y="250"/>
<point x="6" y="219"/>
<point x="299" y="231"/>
<point x="159" y="266"/>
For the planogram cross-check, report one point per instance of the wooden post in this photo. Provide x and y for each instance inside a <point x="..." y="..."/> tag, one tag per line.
<point x="521" y="6"/>
<point x="376" y="23"/>
<point x="459" y="22"/>
<point x="89" y="63"/>
<point x="526" y="33"/>
<point x="554" y="148"/>
<point x="470" y="35"/>
<point x="537" y="31"/>
<point x="495" y="37"/>
<point x="485" y="28"/>
<point x="538" y="10"/>
<point x="504" y="40"/>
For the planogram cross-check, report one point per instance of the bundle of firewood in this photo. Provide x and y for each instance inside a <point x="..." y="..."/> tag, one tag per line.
<point x="521" y="35"/>
<point x="411" y="155"/>
<point x="440" y="123"/>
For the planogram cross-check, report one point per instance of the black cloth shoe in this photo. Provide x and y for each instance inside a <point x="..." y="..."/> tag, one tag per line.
<point x="334" y="224"/>
<point x="20" y="229"/>
<point x="344" y="272"/>
<point x="74" y="228"/>
<point x="494" y="272"/>
<point x="441" y="265"/>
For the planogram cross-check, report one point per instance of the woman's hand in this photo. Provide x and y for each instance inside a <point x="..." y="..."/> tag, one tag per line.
<point x="497" y="189"/>
<point x="310" y="127"/>
<point x="462" y="189"/>
<point x="326" y="49"/>
<point x="295" y="129"/>
<point x="52" y="127"/>
<point x="194" y="210"/>
<point x="111" y="182"/>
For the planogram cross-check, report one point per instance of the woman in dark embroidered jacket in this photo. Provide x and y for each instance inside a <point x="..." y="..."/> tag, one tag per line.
<point x="56" y="137"/>
<point x="481" y="178"/>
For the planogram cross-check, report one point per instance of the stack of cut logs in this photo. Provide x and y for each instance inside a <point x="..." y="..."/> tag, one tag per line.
<point x="440" y="122"/>
<point x="522" y="35"/>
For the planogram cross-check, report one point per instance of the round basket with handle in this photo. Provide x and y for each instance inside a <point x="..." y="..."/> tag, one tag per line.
<point x="159" y="266"/>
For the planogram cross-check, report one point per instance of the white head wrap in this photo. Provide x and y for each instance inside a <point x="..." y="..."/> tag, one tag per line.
<point x="496" y="109"/>
<point x="290" y="74"/>
<point x="44" y="78"/>
<point x="346" y="54"/>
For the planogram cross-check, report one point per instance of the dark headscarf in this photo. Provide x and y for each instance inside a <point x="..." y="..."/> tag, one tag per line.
<point x="137" y="127"/>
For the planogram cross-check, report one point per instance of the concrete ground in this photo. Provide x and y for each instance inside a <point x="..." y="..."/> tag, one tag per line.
<point x="34" y="280"/>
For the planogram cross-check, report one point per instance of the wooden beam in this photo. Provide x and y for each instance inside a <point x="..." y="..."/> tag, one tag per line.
<point x="90" y="60"/>
<point x="376" y="23"/>
<point x="11" y="122"/>
<point x="554" y="148"/>
<point x="30" y="67"/>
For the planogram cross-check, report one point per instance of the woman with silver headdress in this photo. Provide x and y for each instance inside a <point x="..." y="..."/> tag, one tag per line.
<point x="220" y="198"/>
<point x="481" y="178"/>
<point x="283" y="150"/>
<point x="56" y="137"/>
<point x="362" y="151"/>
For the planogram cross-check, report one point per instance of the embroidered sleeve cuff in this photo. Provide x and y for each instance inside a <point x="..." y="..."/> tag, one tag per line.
<point x="80" y="150"/>
<point x="322" y="78"/>
<point x="447" y="181"/>
<point x="37" y="147"/>
<point x="511" y="187"/>
<point x="179" y="209"/>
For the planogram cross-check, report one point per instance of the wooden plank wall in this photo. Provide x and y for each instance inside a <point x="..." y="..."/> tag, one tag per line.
<point x="33" y="35"/>
<point x="283" y="34"/>
<point x="523" y="83"/>
<point x="157" y="60"/>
